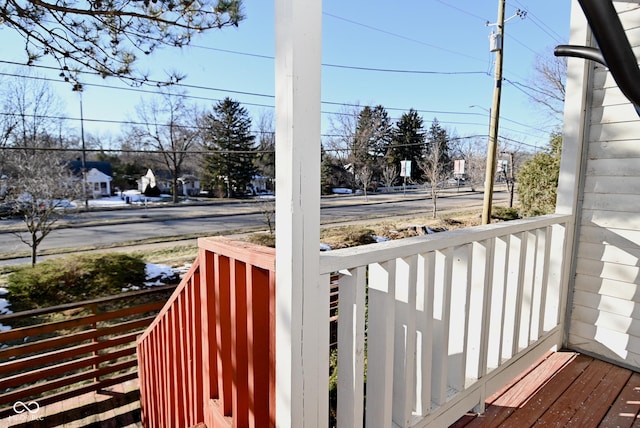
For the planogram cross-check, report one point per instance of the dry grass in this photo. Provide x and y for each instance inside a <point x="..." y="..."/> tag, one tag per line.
<point x="353" y="235"/>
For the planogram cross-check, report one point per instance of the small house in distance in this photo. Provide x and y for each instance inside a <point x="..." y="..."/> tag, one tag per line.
<point x="98" y="176"/>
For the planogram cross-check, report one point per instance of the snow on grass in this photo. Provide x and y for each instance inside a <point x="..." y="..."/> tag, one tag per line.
<point x="4" y="308"/>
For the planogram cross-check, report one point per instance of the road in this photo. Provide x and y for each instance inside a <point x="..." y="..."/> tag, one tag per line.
<point x="104" y="228"/>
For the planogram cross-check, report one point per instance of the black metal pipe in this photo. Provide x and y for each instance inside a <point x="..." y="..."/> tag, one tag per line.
<point x="614" y="47"/>
<point x="580" y="52"/>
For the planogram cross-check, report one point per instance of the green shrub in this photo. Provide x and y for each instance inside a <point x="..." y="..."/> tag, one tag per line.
<point x="504" y="213"/>
<point x="71" y="279"/>
<point x="538" y="180"/>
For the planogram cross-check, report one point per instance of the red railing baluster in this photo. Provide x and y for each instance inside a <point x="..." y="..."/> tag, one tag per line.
<point x="209" y="356"/>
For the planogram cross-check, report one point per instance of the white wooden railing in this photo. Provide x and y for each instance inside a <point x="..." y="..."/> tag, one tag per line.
<point x="430" y="326"/>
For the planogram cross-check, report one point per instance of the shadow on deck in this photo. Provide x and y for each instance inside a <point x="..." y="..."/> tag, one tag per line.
<point x="114" y="407"/>
<point x="564" y="388"/>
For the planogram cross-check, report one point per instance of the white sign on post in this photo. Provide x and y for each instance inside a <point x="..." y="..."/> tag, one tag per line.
<point x="405" y="168"/>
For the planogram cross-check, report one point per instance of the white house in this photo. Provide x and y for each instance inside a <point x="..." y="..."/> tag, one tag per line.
<point x="98" y="182"/>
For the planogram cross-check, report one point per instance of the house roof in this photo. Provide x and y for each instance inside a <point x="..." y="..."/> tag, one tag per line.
<point x="103" y="167"/>
<point x="96" y="176"/>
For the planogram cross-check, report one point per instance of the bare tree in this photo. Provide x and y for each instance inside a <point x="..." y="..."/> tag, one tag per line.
<point x="41" y="192"/>
<point x="268" y="209"/>
<point x="8" y="124"/>
<point x="266" y="158"/>
<point x="389" y="174"/>
<point x="549" y="84"/>
<point x="365" y="178"/>
<point x="343" y="126"/>
<point x="434" y="163"/>
<point x="167" y="127"/>
<point x="106" y="36"/>
<point x="32" y="106"/>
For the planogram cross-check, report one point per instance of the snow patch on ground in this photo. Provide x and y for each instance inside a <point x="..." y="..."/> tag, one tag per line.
<point x="4" y="308"/>
<point x="158" y="275"/>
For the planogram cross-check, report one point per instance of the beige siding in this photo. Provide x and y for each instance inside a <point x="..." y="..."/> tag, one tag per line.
<point x="605" y="308"/>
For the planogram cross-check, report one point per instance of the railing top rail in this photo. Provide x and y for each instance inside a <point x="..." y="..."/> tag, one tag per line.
<point x="73" y="305"/>
<point x="255" y="255"/>
<point x="336" y="260"/>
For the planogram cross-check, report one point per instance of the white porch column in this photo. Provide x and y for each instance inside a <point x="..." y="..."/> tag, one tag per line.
<point x="576" y="123"/>
<point x="299" y="358"/>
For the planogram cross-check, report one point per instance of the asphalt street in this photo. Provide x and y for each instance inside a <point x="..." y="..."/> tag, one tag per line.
<point x="130" y="225"/>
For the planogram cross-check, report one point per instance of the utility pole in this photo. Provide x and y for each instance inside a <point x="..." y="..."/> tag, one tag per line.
<point x="77" y="87"/>
<point x="497" y="46"/>
<point x="495" y="116"/>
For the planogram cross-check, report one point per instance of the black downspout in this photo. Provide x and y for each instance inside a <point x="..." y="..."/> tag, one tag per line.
<point x="615" y="50"/>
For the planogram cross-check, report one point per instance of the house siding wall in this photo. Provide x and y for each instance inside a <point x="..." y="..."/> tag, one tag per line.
<point x="605" y="306"/>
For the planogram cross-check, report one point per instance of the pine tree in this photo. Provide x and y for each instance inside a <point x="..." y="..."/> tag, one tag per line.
<point x="230" y="163"/>
<point x="407" y="142"/>
<point x="371" y="139"/>
<point x="437" y="135"/>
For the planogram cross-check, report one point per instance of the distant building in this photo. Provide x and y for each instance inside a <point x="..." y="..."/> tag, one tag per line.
<point x="98" y="176"/>
<point x="190" y="185"/>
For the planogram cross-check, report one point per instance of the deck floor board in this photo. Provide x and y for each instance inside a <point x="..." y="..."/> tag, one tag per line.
<point x="565" y="388"/>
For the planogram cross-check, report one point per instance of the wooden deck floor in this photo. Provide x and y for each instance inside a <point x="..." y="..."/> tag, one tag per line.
<point x="564" y="389"/>
<point x="115" y="407"/>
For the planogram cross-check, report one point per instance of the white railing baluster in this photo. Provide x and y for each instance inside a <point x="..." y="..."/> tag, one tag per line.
<point x="479" y="319"/>
<point x="424" y="331"/>
<point x="351" y="314"/>
<point x="380" y="341"/>
<point x="555" y="303"/>
<point x="527" y="268"/>
<point x="458" y="326"/>
<point x="497" y="316"/>
<point x="511" y="303"/>
<point x="405" y="340"/>
<point x="441" y="315"/>
<point x="538" y="283"/>
<point x="544" y="278"/>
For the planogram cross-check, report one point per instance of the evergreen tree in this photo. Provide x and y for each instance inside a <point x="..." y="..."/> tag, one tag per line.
<point x="370" y="142"/>
<point x="538" y="180"/>
<point x="408" y="140"/>
<point x="437" y="135"/>
<point x="229" y="166"/>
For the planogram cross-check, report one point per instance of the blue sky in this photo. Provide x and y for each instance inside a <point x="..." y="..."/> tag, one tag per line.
<point x="440" y="49"/>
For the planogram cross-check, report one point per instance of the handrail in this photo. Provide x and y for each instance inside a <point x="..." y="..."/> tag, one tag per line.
<point x="84" y="303"/>
<point x="333" y="261"/>
<point x="615" y="50"/>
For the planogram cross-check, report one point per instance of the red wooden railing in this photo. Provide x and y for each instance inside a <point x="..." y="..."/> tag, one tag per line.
<point x="61" y="352"/>
<point x="209" y="355"/>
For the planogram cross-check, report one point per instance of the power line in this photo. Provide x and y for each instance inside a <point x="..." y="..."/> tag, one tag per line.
<point x="208" y="99"/>
<point x="389" y="33"/>
<point x="134" y="151"/>
<point x="348" y="67"/>
<point x="541" y="24"/>
<point x="466" y="12"/>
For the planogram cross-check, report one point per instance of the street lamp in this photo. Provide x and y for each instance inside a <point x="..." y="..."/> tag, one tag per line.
<point x="77" y="87"/>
